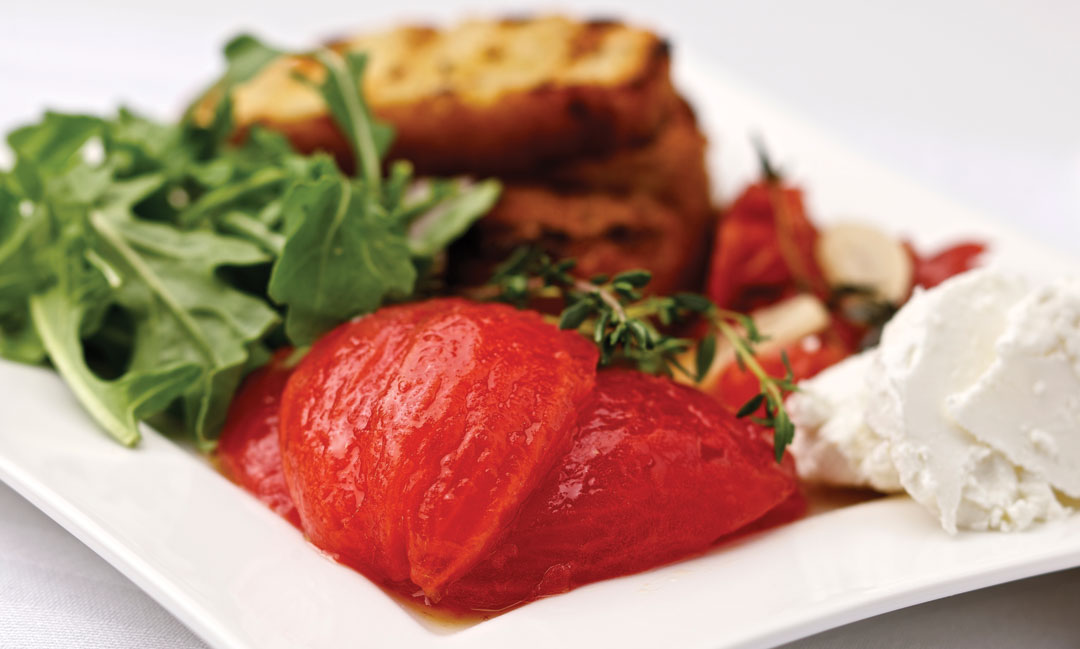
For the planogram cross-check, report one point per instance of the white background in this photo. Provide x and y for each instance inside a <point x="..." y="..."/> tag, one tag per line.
<point x="978" y="101"/>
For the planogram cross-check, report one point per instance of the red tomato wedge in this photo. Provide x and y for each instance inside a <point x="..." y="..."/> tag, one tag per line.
<point x="248" y="452"/>
<point x="412" y="436"/>
<point x="657" y="471"/>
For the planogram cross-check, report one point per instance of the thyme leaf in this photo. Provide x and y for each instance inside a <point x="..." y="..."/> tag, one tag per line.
<point x="632" y="329"/>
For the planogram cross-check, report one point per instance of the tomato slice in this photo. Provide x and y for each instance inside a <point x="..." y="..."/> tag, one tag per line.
<point x="653" y="471"/>
<point x="657" y="471"/>
<point x="248" y="452"/>
<point x="411" y="437"/>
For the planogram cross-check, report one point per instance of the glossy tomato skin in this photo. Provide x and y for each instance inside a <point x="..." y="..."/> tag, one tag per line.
<point x="412" y="436"/>
<point x="791" y="509"/>
<point x="657" y="471"/>
<point x="248" y="451"/>
<point x="764" y="249"/>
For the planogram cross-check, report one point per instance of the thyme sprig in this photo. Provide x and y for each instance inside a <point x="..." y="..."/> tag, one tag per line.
<point x="630" y="328"/>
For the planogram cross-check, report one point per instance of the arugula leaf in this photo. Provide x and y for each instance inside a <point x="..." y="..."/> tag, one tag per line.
<point x="52" y="143"/>
<point x="343" y="253"/>
<point x="48" y="149"/>
<point x="28" y="226"/>
<point x="19" y="278"/>
<point x="183" y="311"/>
<point x="19" y="341"/>
<point x="456" y="205"/>
<point x="164" y="278"/>
<point x="346" y="249"/>
<point x="343" y="94"/>
<point x="247" y="55"/>
<point x="58" y="316"/>
<point x="342" y="257"/>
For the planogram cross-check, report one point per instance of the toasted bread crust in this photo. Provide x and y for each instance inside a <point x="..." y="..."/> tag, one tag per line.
<point x="604" y="233"/>
<point x="670" y="168"/>
<point x="487" y="97"/>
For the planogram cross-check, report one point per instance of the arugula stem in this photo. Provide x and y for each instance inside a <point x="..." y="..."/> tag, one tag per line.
<point x="328" y="241"/>
<point x="254" y="229"/>
<point x="262" y="179"/>
<point x="362" y="140"/>
<point x="105" y="230"/>
<point x="105" y="268"/>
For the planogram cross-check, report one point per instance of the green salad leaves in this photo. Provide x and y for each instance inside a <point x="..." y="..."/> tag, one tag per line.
<point x="154" y="265"/>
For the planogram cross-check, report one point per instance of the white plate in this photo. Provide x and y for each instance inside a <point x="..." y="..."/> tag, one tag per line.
<point x="240" y="577"/>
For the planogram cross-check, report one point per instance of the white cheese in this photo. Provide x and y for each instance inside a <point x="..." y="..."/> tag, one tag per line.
<point x="833" y="445"/>
<point x="1027" y="403"/>
<point x="938" y="345"/>
<point x="971" y="404"/>
<point x="997" y="495"/>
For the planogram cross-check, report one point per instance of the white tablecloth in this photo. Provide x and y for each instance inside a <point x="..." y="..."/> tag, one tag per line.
<point x="56" y="593"/>
<point x="975" y="100"/>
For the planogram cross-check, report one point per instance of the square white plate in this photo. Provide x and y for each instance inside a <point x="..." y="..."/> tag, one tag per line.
<point x="242" y="578"/>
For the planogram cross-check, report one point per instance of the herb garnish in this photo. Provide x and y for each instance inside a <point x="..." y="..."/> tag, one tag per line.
<point x="153" y="264"/>
<point x="629" y="328"/>
<point x="861" y="305"/>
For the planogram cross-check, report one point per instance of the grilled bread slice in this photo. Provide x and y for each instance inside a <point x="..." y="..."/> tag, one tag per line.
<point x="639" y="207"/>
<point x="605" y="233"/>
<point x="670" y="168"/>
<point x="487" y="97"/>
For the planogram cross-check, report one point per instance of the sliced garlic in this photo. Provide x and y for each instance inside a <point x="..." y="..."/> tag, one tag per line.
<point x="858" y="255"/>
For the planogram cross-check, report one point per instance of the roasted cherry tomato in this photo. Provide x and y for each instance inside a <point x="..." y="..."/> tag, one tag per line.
<point x="935" y="269"/>
<point x="764" y="249"/>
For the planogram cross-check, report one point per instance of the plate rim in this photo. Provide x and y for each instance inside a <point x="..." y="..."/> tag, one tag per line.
<point x="189" y="612"/>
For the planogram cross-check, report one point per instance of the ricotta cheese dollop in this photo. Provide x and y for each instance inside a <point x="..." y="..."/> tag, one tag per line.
<point x="971" y="400"/>
<point x="834" y="445"/>
<point x="1027" y="402"/>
